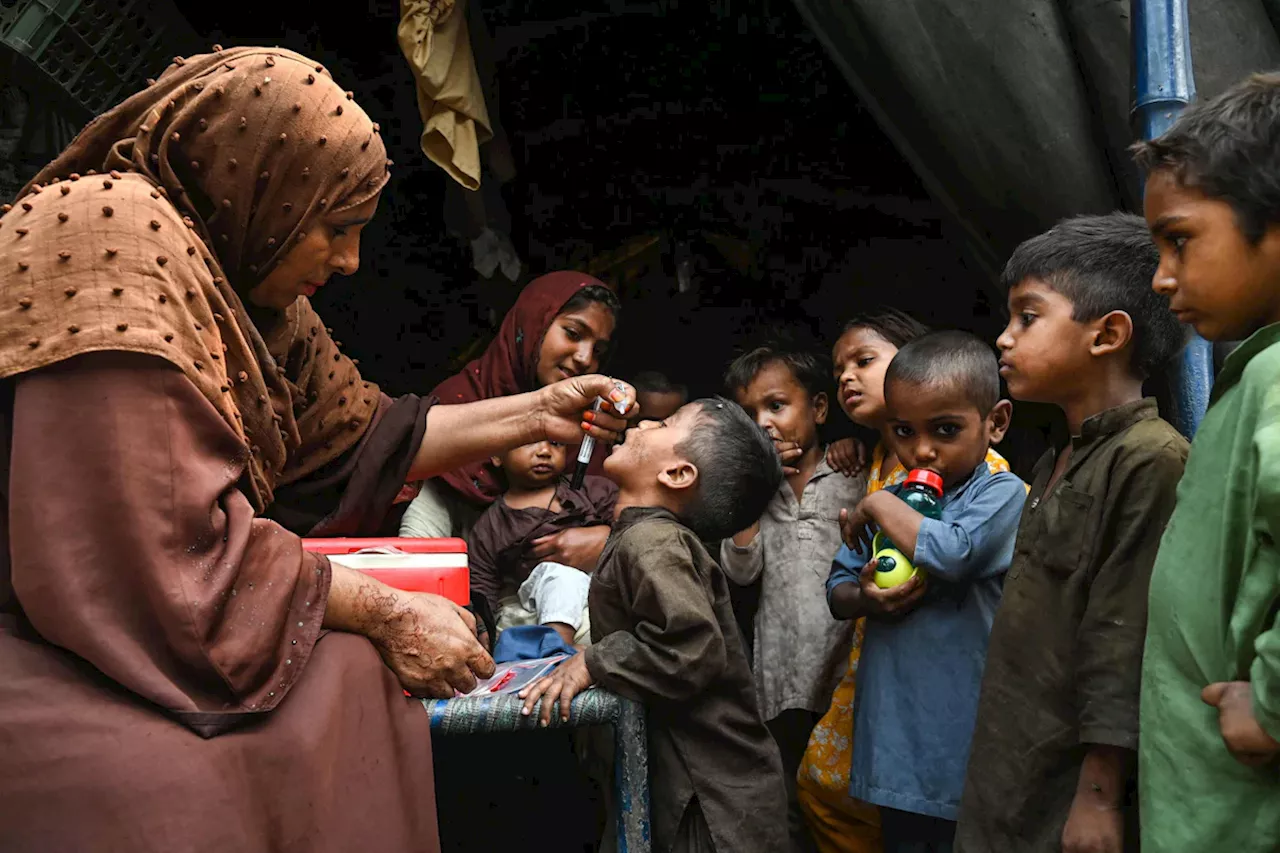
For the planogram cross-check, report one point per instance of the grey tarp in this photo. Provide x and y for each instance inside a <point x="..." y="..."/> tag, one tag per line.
<point x="1016" y="112"/>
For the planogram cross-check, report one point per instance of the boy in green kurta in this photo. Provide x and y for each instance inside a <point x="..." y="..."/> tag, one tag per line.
<point x="1209" y="756"/>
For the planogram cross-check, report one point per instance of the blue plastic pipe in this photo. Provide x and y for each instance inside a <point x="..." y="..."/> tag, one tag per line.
<point x="1164" y="85"/>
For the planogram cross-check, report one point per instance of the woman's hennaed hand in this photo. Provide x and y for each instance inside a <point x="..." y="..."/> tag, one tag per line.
<point x="430" y="644"/>
<point x="564" y="409"/>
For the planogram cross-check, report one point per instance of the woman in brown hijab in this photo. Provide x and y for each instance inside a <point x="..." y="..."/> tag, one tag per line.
<point x="176" y="673"/>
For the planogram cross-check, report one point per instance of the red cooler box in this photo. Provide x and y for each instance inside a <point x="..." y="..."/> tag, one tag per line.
<point x="414" y="565"/>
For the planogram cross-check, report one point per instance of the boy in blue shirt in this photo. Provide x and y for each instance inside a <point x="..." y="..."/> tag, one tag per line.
<point x="921" y="668"/>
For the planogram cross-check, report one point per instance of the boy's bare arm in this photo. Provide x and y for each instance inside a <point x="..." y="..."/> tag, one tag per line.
<point x="742" y="556"/>
<point x="899" y="522"/>
<point x="1095" y="823"/>
<point x="846" y="601"/>
<point x="744" y="538"/>
<point x="864" y="598"/>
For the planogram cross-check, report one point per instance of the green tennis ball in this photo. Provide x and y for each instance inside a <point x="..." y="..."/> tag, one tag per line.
<point x="893" y="569"/>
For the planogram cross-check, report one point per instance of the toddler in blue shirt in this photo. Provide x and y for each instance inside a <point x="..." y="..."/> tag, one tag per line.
<point x="925" y="644"/>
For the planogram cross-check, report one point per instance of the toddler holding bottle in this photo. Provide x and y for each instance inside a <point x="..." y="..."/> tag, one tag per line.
<point x="925" y="641"/>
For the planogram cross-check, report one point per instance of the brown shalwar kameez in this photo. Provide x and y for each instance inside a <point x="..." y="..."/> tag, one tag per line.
<point x="663" y="632"/>
<point x="500" y="545"/>
<point x="165" y="684"/>
<point x="1064" y="664"/>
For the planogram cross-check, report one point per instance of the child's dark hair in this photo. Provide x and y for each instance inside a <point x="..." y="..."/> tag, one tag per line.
<point x="1228" y="147"/>
<point x="738" y="469"/>
<point x="891" y="324"/>
<point x="808" y="369"/>
<point x="1104" y="264"/>
<point x="653" y="382"/>
<point x="949" y="359"/>
<point x="593" y="293"/>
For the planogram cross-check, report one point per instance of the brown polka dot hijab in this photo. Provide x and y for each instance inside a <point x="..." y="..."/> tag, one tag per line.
<point x="149" y="231"/>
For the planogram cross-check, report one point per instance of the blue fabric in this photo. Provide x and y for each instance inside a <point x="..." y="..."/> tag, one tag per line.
<point x="530" y="642"/>
<point x="919" y="675"/>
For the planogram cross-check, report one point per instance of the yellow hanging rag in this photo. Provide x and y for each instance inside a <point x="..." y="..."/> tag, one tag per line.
<point x="434" y="38"/>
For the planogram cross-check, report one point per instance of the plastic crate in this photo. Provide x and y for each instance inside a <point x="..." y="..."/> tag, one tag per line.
<point x="93" y="53"/>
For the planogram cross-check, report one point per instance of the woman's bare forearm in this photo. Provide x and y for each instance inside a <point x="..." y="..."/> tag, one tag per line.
<point x="358" y="604"/>
<point x="460" y="434"/>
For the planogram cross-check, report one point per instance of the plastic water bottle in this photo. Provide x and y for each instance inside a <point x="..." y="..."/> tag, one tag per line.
<point x="923" y="493"/>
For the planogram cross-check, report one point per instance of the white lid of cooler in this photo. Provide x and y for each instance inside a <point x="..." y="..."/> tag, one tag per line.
<point x="400" y="561"/>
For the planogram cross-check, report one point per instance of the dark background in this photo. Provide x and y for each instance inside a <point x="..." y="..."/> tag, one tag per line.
<point x="676" y="119"/>
<point x="703" y="125"/>
<point x="626" y="120"/>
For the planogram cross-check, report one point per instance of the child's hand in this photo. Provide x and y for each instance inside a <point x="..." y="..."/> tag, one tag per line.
<point x="855" y="526"/>
<point x="848" y="456"/>
<point x="566" y="681"/>
<point x="1093" y="827"/>
<point x="1244" y="737"/>
<point x="897" y="601"/>
<point x="788" y="452"/>
<point x="579" y="547"/>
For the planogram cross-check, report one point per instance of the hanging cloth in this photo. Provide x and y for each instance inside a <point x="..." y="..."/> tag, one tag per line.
<point x="435" y="39"/>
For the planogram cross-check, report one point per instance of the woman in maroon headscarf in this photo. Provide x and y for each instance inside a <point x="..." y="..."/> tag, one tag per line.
<point x="176" y="672"/>
<point x="560" y="327"/>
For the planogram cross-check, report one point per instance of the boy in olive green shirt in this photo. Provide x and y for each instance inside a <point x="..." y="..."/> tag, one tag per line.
<point x="1210" y="719"/>
<point x="1051" y="768"/>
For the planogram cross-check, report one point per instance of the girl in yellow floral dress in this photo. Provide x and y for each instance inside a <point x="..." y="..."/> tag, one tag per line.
<point x="837" y="822"/>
